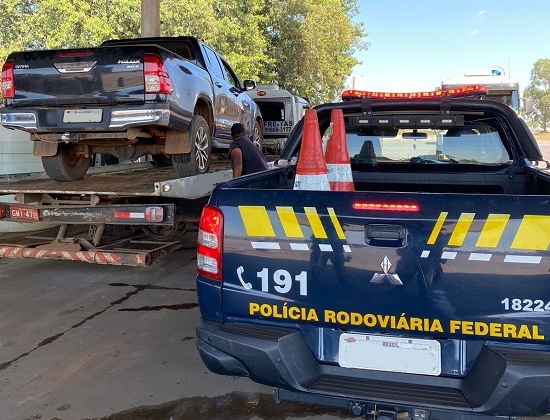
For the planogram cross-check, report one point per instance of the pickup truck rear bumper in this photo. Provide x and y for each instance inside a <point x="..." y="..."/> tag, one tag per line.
<point x="503" y="382"/>
<point x="97" y="118"/>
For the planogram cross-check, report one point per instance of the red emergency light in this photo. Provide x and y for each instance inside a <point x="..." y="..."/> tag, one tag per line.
<point x="473" y="90"/>
<point x="385" y="206"/>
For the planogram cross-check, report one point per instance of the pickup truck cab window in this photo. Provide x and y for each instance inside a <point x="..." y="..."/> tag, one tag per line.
<point x="232" y="79"/>
<point x="481" y="145"/>
<point x="215" y="66"/>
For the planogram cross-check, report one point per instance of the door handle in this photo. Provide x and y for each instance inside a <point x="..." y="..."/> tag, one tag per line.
<point x="218" y="84"/>
<point x="385" y="235"/>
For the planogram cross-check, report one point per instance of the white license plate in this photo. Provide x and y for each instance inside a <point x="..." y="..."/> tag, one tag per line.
<point x="82" y="115"/>
<point x="390" y="354"/>
<point x="23" y="213"/>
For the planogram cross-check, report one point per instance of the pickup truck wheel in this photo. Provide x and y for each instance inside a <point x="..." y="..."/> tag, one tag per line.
<point x="199" y="159"/>
<point x="65" y="165"/>
<point x="258" y="136"/>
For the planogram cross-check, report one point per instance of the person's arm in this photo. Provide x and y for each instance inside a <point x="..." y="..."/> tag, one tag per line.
<point x="237" y="162"/>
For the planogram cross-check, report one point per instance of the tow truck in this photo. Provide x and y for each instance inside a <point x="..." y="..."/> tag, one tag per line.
<point x="499" y="85"/>
<point x="124" y="214"/>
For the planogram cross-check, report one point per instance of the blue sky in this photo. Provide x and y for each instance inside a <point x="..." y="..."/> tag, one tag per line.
<point x="416" y="44"/>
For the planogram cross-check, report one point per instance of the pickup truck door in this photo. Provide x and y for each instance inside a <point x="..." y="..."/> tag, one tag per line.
<point x="226" y="110"/>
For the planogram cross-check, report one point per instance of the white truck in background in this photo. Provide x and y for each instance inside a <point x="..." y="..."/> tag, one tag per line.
<point x="281" y="110"/>
<point x="500" y="86"/>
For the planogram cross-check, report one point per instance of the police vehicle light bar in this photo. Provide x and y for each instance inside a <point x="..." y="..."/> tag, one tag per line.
<point x="473" y="90"/>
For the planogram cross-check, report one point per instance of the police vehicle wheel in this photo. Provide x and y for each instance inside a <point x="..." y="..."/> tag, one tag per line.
<point x="66" y="165"/>
<point x="258" y="136"/>
<point x="198" y="160"/>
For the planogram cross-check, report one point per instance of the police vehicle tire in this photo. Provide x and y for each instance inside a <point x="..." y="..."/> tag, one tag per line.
<point x="66" y="165"/>
<point x="258" y="136"/>
<point x="198" y="160"/>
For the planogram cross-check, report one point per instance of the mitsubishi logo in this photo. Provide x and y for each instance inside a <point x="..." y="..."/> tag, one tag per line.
<point x="379" y="278"/>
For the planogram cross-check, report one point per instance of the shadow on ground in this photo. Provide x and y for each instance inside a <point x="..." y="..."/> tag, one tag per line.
<point x="233" y="406"/>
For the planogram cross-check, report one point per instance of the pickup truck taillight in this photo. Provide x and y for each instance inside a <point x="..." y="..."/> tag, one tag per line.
<point x="209" y="247"/>
<point x="156" y="77"/>
<point x="8" y="88"/>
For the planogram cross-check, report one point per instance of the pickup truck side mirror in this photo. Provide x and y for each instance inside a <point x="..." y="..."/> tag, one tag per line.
<point x="249" y="84"/>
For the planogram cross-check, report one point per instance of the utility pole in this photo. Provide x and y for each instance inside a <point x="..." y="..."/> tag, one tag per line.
<point x="150" y="18"/>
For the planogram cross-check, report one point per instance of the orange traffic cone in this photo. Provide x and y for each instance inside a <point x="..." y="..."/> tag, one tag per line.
<point x="311" y="169"/>
<point x="337" y="156"/>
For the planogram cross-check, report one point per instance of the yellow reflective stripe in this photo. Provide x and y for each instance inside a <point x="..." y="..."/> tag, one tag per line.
<point x="289" y="221"/>
<point x="256" y="221"/>
<point x="461" y="229"/>
<point x="336" y="223"/>
<point x="533" y="233"/>
<point x="315" y="223"/>
<point x="437" y="227"/>
<point x="492" y="230"/>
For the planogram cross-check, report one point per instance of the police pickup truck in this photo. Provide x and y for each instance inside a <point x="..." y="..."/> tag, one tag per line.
<point x="422" y="293"/>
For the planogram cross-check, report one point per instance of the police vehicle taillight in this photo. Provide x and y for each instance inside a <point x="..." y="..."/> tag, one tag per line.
<point x="156" y="77"/>
<point x="209" y="246"/>
<point x="474" y="90"/>
<point x="8" y="88"/>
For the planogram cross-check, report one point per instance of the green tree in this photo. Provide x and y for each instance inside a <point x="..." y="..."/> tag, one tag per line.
<point x="305" y="46"/>
<point x="232" y="27"/>
<point x="539" y="91"/>
<point x="312" y="43"/>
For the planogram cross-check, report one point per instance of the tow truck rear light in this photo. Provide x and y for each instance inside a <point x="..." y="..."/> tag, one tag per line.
<point x="474" y="90"/>
<point x="8" y="88"/>
<point x="209" y="245"/>
<point x="385" y="206"/>
<point x="152" y="214"/>
<point x="156" y="77"/>
<point x="2" y="212"/>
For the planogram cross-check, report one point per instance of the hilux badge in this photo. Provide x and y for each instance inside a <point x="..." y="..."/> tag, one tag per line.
<point x="380" y="277"/>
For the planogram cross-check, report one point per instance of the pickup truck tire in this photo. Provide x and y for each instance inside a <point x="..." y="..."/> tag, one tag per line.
<point x="258" y="136"/>
<point x="198" y="160"/>
<point x="65" y="165"/>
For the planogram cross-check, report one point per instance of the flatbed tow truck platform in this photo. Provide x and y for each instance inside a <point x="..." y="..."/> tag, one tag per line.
<point x="124" y="214"/>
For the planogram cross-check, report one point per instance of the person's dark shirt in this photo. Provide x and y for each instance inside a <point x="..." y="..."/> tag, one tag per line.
<point x="252" y="159"/>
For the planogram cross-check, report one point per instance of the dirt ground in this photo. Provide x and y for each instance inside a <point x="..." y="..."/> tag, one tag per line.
<point x="542" y="136"/>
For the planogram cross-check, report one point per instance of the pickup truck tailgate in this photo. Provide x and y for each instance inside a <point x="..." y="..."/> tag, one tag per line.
<point x="104" y="75"/>
<point x="437" y="266"/>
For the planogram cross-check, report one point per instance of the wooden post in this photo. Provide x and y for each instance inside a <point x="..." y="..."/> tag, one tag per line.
<point x="150" y="18"/>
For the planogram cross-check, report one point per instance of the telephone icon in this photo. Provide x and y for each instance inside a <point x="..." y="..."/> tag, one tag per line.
<point x="245" y="284"/>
